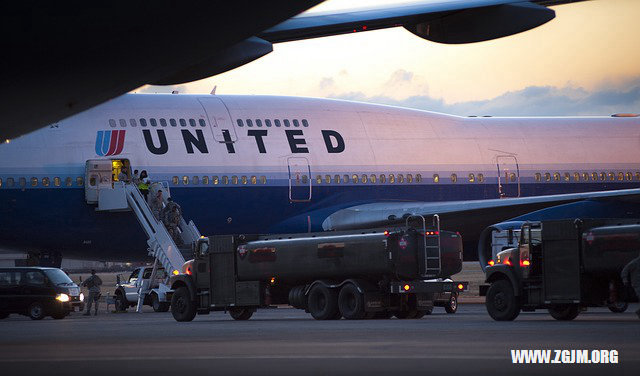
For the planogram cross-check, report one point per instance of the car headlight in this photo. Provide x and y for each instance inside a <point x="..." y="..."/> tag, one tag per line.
<point x="62" y="298"/>
<point x="81" y="297"/>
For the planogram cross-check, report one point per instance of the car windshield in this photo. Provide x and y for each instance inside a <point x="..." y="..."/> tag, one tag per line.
<point x="57" y="276"/>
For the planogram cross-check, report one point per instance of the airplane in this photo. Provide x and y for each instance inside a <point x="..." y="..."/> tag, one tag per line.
<point x="62" y="58"/>
<point x="272" y="164"/>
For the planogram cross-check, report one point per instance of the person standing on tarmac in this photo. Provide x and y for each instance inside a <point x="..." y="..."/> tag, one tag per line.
<point x="631" y="275"/>
<point x="157" y="204"/>
<point x="171" y="215"/>
<point x="143" y="184"/>
<point x="93" y="283"/>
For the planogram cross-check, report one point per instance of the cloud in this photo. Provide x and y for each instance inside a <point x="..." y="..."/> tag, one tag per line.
<point x="400" y="76"/>
<point x="530" y="101"/>
<point x="326" y="82"/>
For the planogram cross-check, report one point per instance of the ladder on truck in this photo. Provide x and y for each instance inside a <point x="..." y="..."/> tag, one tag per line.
<point x="126" y="196"/>
<point x="431" y="246"/>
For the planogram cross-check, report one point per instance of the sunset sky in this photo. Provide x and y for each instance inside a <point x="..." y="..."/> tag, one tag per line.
<point x="584" y="62"/>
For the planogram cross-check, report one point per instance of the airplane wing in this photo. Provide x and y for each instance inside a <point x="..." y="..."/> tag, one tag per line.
<point x="439" y="21"/>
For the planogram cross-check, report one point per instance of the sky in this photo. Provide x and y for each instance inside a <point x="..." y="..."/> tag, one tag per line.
<point x="584" y="62"/>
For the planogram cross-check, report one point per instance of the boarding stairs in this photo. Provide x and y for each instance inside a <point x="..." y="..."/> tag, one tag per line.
<point x="431" y="246"/>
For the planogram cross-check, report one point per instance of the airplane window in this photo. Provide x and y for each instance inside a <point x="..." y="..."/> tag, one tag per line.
<point x="612" y="176"/>
<point x="249" y="123"/>
<point x="276" y="122"/>
<point x="183" y="123"/>
<point x="153" y="122"/>
<point x="538" y="176"/>
<point x="286" y="122"/>
<point x="594" y="176"/>
<point x="267" y="122"/>
<point x="336" y="179"/>
<point x="512" y="177"/>
<point x="205" y="180"/>
<point x="254" y="180"/>
<point x="472" y="178"/>
<point x="10" y="182"/>
<point x="319" y="179"/>
<point x="392" y="179"/>
<point x="123" y="123"/>
<point x="365" y="179"/>
<point x="354" y="178"/>
<point x="258" y="123"/>
<point x="175" y="180"/>
<point x="576" y="176"/>
<point x="436" y="178"/>
<point x="547" y="176"/>
<point x="419" y="178"/>
<point x="68" y="182"/>
<point x="327" y="179"/>
<point x="372" y="178"/>
<point x="214" y="180"/>
<point x="225" y="180"/>
<point x="185" y="180"/>
<point x="454" y="178"/>
<point x="556" y="176"/>
<point x="202" y="122"/>
<point x="585" y="176"/>
<point x="620" y="175"/>
<point x="383" y="179"/>
<point x="34" y="182"/>
<point x="629" y="176"/>
<point x="173" y="122"/>
<point x="603" y="176"/>
<point x="234" y="179"/>
<point x="132" y="122"/>
<point x="305" y="123"/>
<point x="163" y="122"/>
<point x="195" y="180"/>
<point x="345" y="178"/>
<point x="143" y="122"/>
<point x="567" y="176"/>
<point x="0" y="182"/>
<point x="45" y="182"/>
<point x="409" y="178"/>
<point x="112" y="123"/>
<point x="56" y="181"/>
<point x="240" y="123"/>
<point x="305" y="179"/>
<point x="637" y="175"/>
<point x="296" y="123"/>
<point x="400" y="178"/>
<point x="244" y="180"/>
<point x="79" y="181"/>
<point x="480" y="178"/>
<point x="263" y="179"/>
<point x="192" y="122"/>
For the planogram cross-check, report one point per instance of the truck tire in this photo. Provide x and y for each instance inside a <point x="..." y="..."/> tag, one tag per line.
<point x="382" y="315"/>
<point x="241" y="313"/>
<point x="157" y="305"/>
<point x="322" y="302"/>
<point x="406" y="314"/>
<point x="121" y="303"/>
<point x="451" y="306"/>
<point x="36" y="311"/>
<point x="501" y="302"/>
<point x="618" y="307"/>
<point x="182" y="307"/>
<point x="351" y="302"/>
<point x="564" y="312"/>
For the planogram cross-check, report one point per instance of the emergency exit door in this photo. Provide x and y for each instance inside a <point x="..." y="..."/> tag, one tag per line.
<point x="508" y="176"/>
<point x="299" y="179"/>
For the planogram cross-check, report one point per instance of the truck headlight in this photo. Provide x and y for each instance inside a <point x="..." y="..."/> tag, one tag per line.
<point x="81" y="297"/>
<point x="62" y="298"/>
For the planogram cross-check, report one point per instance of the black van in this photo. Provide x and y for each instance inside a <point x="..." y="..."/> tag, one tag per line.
<point x="38" y="292"/>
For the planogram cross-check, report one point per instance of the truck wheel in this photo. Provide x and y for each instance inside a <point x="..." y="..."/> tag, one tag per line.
<point x="382" y="315"/>
<point x="36" y="311"/>
<point x="182" y="307"/>
<point x="564" y="312"/>
<point x="408" y="314"/>
<point x="121" y="303"/>
<point x="351" y="302"/>
<point x="241" y="313"/>
<point x="157" y="305"/>
<point x="452" y="305"/>
<point x="618" y="307"/>
<point x="322" y="302"/>
<point x="501" y="302"/>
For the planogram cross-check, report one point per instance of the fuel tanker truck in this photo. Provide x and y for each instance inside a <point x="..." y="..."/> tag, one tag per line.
<point x="374" y="273"/>
<point x="563" y="266"/>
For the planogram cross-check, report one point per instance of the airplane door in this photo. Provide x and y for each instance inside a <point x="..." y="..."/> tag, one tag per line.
<point x="299" y="179"/>
<point x="219" y="120"/>
<point x="508" y="176"/>
<point x="98" y="175"/>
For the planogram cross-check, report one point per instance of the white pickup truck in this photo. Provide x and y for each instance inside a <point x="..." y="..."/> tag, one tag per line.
<point x="127" y="292"/>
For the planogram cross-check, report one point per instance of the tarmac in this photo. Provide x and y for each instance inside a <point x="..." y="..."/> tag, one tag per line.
<point x="286" y="341"/>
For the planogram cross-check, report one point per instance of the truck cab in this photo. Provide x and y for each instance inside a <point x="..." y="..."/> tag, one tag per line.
<point x="128" y="291"/>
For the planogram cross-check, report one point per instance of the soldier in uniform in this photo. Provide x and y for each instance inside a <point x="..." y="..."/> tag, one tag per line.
<point x="157" y="204"/>
<point x="631" y="275"/>
<point x="93" y="284"/>
<point x="171" y="215"/>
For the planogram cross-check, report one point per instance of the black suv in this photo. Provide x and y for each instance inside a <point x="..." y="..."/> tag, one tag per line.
<point x="38" y="292"/>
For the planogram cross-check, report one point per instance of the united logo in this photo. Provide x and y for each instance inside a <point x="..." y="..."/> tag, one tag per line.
<point x="109" y="143"/>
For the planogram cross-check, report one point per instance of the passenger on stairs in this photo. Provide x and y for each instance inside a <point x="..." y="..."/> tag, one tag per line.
<point x="171" y="215"/>
<point x="157" y="204"/>
<point x="135" y="179"/>
<point x="123" y="176"/>
<point x="143" y="185"/>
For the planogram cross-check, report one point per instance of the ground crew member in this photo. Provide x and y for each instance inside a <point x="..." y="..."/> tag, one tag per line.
<point x="143" y="185"/>
<point x="171" y="215"/>
<point x="157" y="204"/>
<point x="631" y="275"/>
<point x="93" y="284"/>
